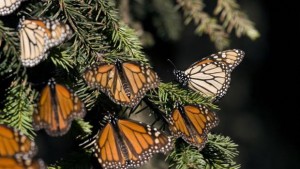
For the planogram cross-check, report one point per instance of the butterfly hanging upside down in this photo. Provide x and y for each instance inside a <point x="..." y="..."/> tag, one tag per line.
<point x="211" y="75"/>
<point x="57" y="107"/>
<point x="126" y="83"/>
<point x="37" y="36"/>
<point x="125" y="143"/>
<point x="192" y="123"/>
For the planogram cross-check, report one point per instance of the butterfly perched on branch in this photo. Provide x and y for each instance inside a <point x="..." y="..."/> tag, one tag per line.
<point x="211" y="75"/>
<point x="126" y="83"/>
<point x="125" y="143"/>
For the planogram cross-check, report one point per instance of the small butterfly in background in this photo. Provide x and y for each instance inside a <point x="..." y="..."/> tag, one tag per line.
<point x="125" y="143"/>
<point x="56" y="109"/>
<point x="37" y="36"/>
<point x="17" y="150"/>
<point x="192" y="123"/>
<point x="9" y="6"/>
<point x="126" y="83"/>
<point x="211" y="75"/>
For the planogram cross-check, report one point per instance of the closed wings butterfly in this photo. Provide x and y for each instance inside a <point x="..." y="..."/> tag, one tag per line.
<point x="211" y="75"/>
<point x="56" y="109"/>
<point x="125" y="83"/>
<point x="9" y="6"/>
<point x="126" y="143"/>
<point x="17" y="150"/>
<point x="37" y="36"/>
<point x="192" y="123"/>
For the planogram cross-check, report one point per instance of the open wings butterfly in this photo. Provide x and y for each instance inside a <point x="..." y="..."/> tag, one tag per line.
<point x="211" y="75"/>
<point x="125" y="83"/>
<point x="57" y="107"/>
<point x="126" y="143"/>
<point x="17" y="150"/>
<point x="37" y="36"/>
<point x="192" y="123"/>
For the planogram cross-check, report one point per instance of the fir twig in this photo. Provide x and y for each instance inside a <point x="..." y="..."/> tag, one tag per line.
<point x="9" y="44"/>
<point x="193" y="11"/>
<point x="19" y="106"/>
<point x="232" y="17"/>
<point x="219" y="153"/>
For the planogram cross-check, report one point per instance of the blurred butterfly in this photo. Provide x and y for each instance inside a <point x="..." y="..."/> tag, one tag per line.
<point x="57" y="107"/>
<point x="192" y="123"/>
<point x="211" y="75"/>
<point x="17" y="150"/>
<point x="37" y="36"/>
<point x="128" y="143"/>
<point x="9" y="6"/>
<point x="126" y="83"/>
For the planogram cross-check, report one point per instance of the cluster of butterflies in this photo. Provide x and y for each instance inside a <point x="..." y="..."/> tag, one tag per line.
<point x="121" y="143"/>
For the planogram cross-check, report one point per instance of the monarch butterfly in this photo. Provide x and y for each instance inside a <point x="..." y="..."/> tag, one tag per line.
<point x="128" y="143"/>
<point x="17" y="150"/>
<point x="57" y="107"/>
<point x="192" y="123"/>
<point x="37" y="36"/>
<point x="211" y="75"/>
<point x="8" y="6"/>
<point x="125" y="83"/>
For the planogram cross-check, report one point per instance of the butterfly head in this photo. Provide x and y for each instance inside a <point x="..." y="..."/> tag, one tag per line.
<point x="181" y="77"/>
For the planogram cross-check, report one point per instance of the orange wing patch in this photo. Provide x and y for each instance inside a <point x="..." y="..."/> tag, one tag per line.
<point x="57" y="107"/>
<point x="132" y="146"/>
<point x="192" y="123"/>
<point x="125" y="83"/>
<point x="17" y="150"/>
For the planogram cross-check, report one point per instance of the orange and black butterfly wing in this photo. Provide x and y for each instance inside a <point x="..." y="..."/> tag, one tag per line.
<point x="192" y="123"/>
<point x="15" y="144"/>
<point x="106" y="77"/>
<point x="57" y="107"/>
<point x="142" y="141"/>
<point x="12" y="163"/>
<point x="139" y="78"/>
<point x="107" y="148"/>
<point x="209" y="77"/>
<point x="231" y="58"/>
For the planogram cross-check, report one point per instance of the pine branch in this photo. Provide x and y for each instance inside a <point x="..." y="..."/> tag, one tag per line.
<point x="233" y="18"/>
<point x="123" y="38"/>
<point x="219" y="153"/>
<point x="9" y="52"/>
<point x="169" y="93"/>
<point x="193" y="11"/>
<point x="19" y="106"/>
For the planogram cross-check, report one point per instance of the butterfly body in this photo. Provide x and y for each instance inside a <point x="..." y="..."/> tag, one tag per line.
<point x="125" y="83"/>
<point x="37" y="36"/>
<point x="57" y="107"/>
<point x="211" y="75"/>
<point x="192" y="123"/>
<point x="125" y="143"/>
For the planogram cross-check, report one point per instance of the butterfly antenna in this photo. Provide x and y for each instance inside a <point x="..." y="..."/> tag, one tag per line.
<point x="172" y="64"/>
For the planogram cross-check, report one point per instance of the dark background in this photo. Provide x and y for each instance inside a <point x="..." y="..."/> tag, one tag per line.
<point x="259" y="111"/>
